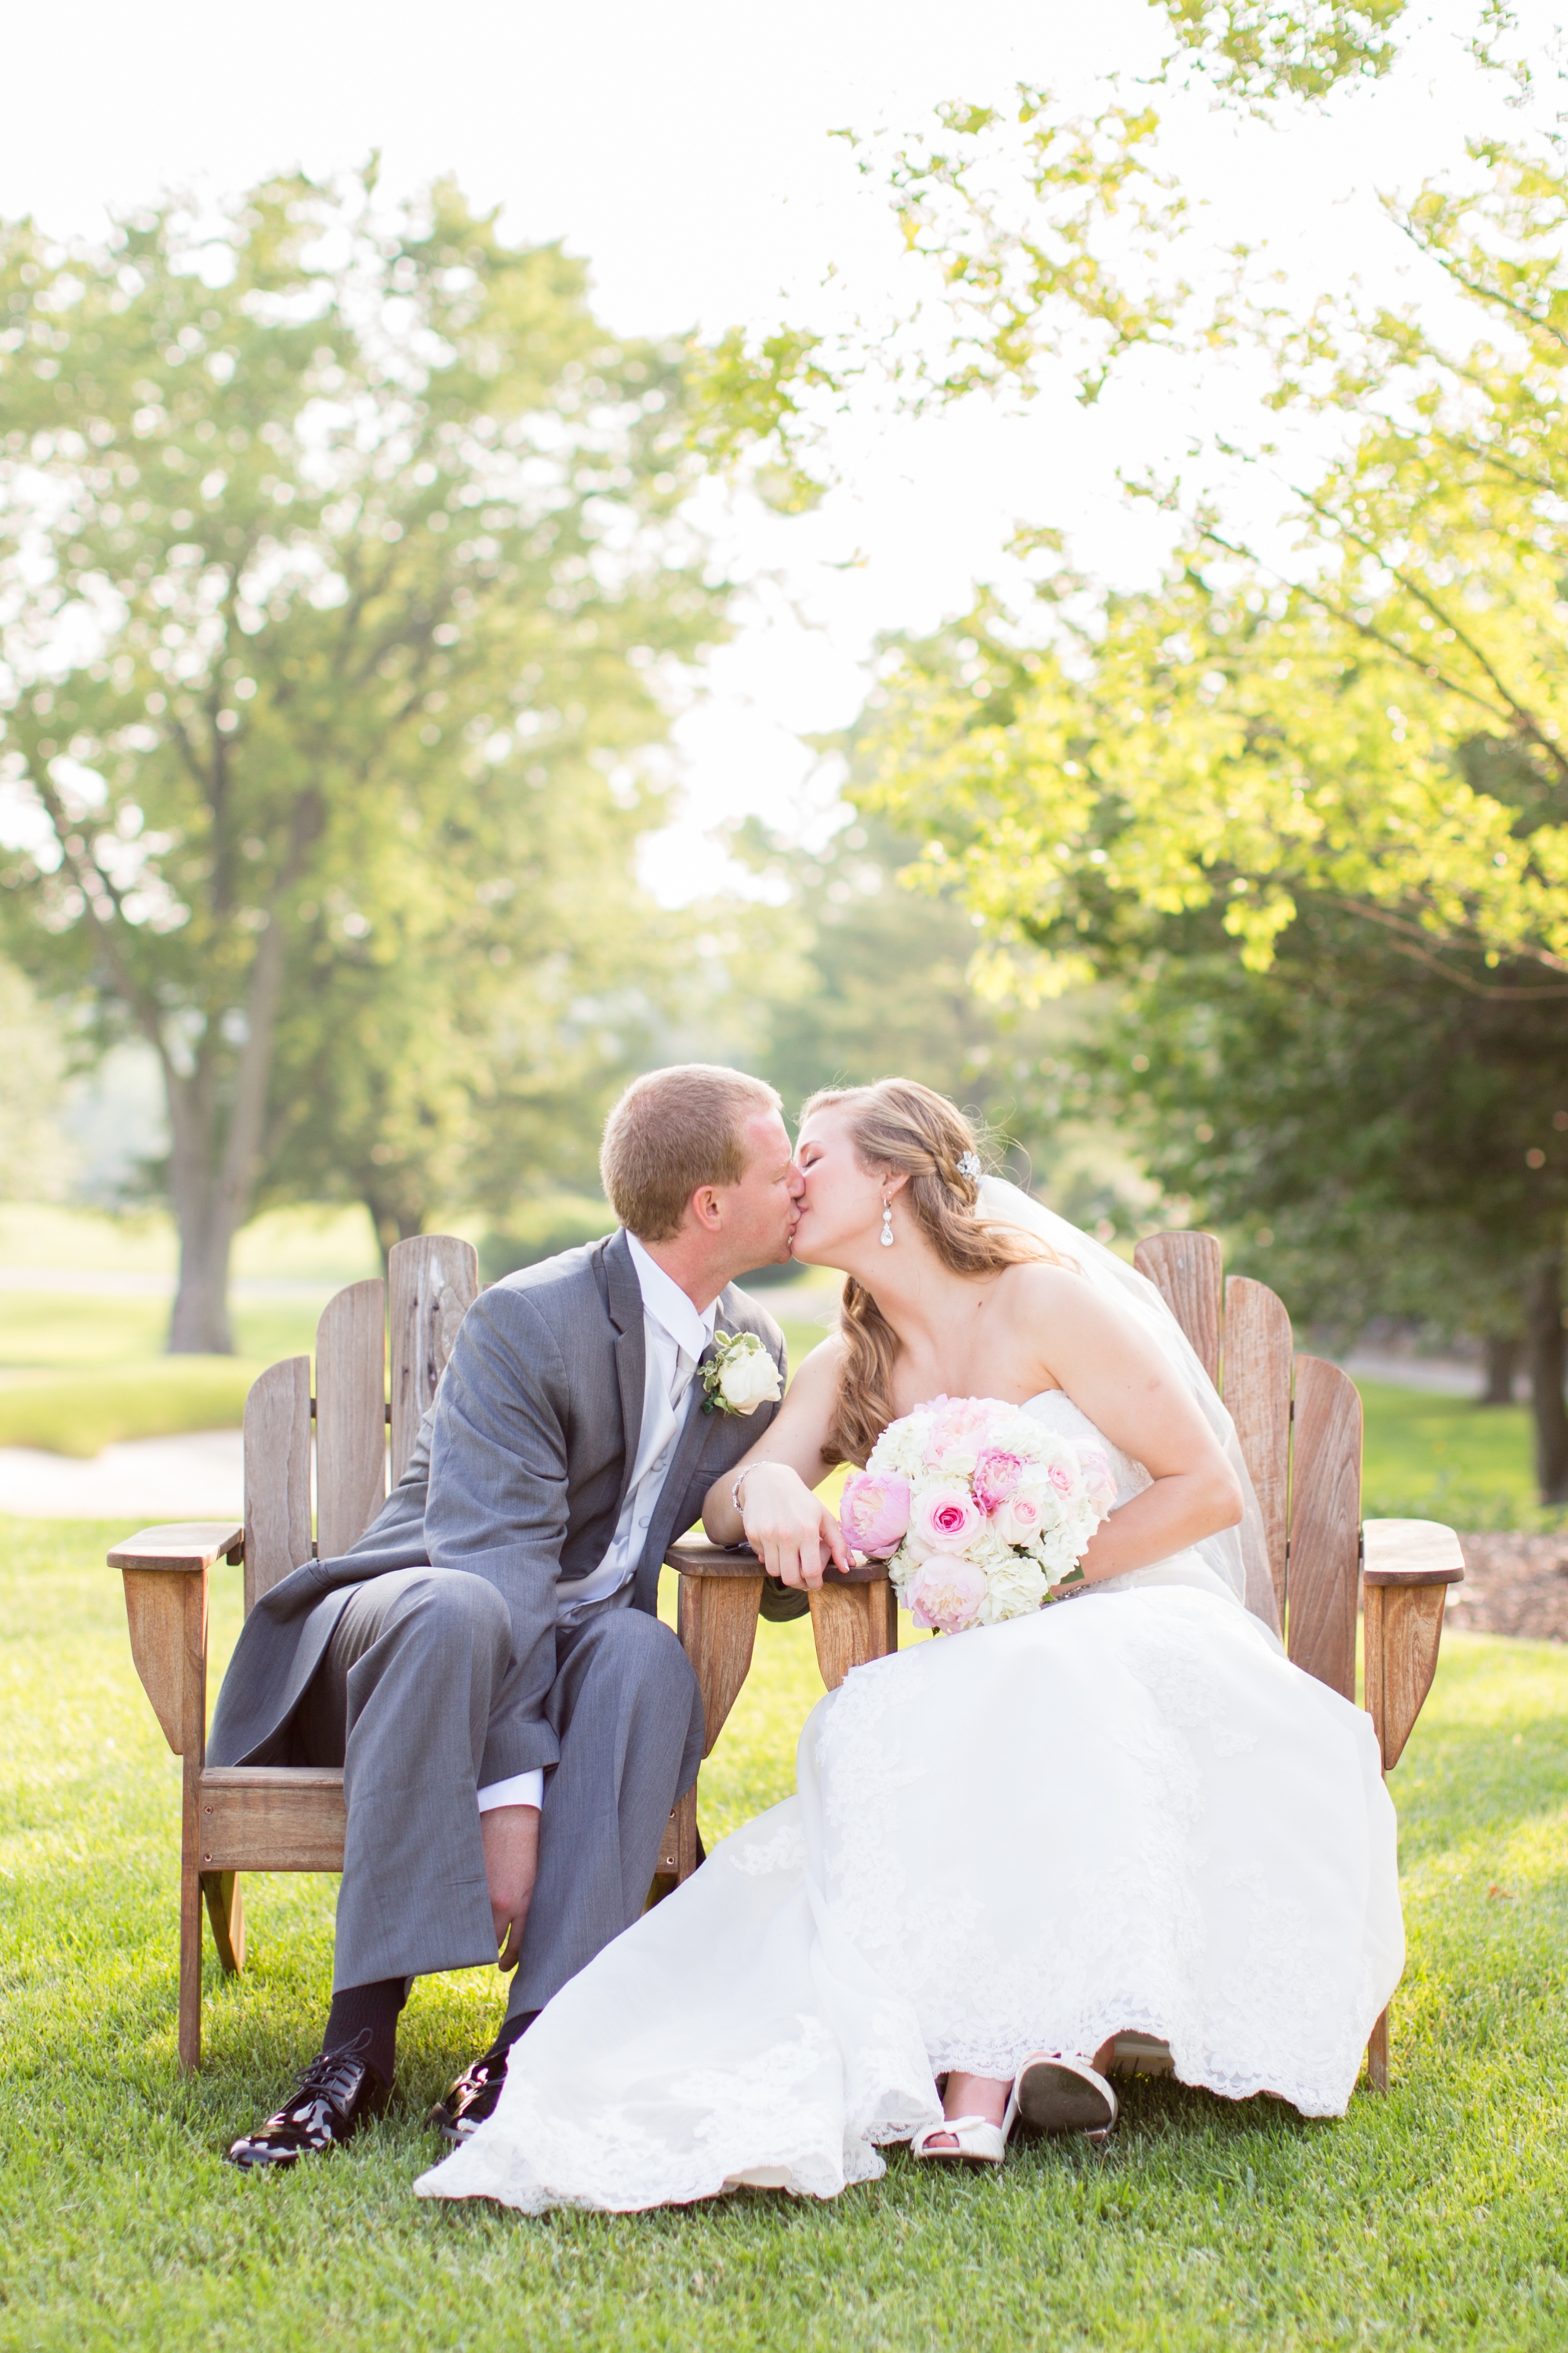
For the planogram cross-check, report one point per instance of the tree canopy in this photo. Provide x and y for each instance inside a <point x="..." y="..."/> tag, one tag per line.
<point x="342" y="554"/>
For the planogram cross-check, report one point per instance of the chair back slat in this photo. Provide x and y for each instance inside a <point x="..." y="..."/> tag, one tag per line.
<point x="1257" y="1362"/>
<point x="435" y="1282"/>
<point x="1185" y="1268"/>
<point x="351" y="1415"/>
<point x="277" y="1476"/>
<point x="1324" y="1576"/>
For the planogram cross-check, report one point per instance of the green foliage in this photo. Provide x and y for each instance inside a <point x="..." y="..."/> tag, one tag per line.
<point x="35" y="1159"/>
<point x="1256" y="51"/>
<point x="883" y="986"/>
<point x="1419" y="2219"/>
<point x="342" y="551"/>
<point x="540" y="1228"/>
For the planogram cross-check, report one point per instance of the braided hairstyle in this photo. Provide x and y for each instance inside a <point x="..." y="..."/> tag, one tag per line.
<point x="900" y="1128"/>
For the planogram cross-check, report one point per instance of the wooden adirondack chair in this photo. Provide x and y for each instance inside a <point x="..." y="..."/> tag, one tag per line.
<point x="280" y="1817"/>
<point x="283" y="1817"/>
<point x="1299" y="1420"/>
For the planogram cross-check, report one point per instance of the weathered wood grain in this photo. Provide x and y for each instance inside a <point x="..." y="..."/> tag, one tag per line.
<point x="435" y="1280"/>
<point x="277" y="1476"/>
<point x="1186" y="1268"/>
<point x="1323" y="1573"/>
<point x="351" y="1415"/>
<point x="1256" y="1367"/>
<point x="1411" y="1551"/>
<point x="852" y="1621"/>
<point x="717" y="1623"/>
<point x="167" y="1616"/>
<point x="270" y="1818"/>
<point x="1404" y="1630"/>
<point x="184" y="1545"/>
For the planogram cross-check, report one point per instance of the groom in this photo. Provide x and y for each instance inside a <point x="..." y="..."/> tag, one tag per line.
<point x="487" y="1665"/>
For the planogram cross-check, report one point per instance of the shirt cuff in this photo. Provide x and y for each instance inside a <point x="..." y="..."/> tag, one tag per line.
<point x="523" y="1789"/>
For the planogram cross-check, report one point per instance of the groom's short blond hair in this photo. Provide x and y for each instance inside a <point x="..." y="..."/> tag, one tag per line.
<point x="672" y="1131"/>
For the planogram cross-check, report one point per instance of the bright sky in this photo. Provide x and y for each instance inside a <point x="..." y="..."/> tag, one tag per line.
<point x="685" y="150"/>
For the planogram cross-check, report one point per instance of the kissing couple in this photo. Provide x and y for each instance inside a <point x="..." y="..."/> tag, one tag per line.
<point x="1130" y="1815"/>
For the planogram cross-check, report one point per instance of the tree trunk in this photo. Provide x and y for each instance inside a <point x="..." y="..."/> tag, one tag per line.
<point x="1543" y="1341"/>
<point x="1503" y="1353"/>
<point x="213" y="1160"/>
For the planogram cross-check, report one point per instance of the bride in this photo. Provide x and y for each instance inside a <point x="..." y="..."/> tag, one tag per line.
<point x="1126" y="1812"/>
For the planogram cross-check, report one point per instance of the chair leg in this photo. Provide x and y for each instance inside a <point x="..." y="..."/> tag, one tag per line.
<point x="850" y="1624"/>
<point x="225" y="1910"/>
<point x="1377" y="2055"/>
<point x="190" y="1922"/>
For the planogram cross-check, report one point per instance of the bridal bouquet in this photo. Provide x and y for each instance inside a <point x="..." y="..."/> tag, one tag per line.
<point x="978" y="1510"/>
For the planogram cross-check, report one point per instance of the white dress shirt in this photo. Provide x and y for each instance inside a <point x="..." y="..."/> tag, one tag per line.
<point x="674" y="1336"/>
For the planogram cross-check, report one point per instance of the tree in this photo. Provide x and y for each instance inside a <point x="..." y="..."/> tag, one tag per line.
<point x="1373" y="746"/>
<point x="880" y="983"/>
<point x="334" y="544"/>
<point x="35" y="1159"/>
<point x="1366" y="1130"/>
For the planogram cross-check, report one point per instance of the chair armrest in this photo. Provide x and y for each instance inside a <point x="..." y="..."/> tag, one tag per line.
<point x="1410" y="1552"/>
<point x="184" y="1545"/>
<point x="1407" y="1566"/>
<point x="165" y="1571"/>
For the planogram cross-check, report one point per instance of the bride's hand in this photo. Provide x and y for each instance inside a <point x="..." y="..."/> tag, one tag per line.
<point x="791" y="1531"/>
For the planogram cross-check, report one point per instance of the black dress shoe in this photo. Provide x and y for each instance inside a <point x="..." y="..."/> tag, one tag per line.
<point x="474" y="2095"/>
<point x="336" y="2092"/>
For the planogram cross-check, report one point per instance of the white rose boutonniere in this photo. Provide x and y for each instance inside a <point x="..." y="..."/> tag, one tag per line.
<point x="740" y="1376"/>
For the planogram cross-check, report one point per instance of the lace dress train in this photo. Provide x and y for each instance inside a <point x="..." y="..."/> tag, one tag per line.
<point x="1128" y="1813"/>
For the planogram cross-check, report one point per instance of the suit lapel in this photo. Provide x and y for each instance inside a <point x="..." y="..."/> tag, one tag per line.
<point x="625" y="1295"/>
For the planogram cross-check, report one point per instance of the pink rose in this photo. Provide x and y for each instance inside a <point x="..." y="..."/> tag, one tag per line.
<point x="1061" y="1478"/>
<point x="874" y="1511"/>
<point x="945" y="1518"/>
<point x="1021" y="1517"/>
<point x="997" y="1474"/>
<point x="945" y="1592"/>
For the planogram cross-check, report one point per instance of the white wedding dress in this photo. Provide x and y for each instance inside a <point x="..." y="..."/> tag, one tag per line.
<point x="1127" y="1813"/>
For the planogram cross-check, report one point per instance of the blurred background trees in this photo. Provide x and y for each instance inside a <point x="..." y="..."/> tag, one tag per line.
<point x="339" y="553"/>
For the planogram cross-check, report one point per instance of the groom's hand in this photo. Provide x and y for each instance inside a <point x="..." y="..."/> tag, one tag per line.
<point x="511" y="1834"/>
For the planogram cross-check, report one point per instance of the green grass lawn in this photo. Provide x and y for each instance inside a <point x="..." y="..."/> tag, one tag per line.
<point x="1436" y="2217"/>
<point x="1443" y="1458"/>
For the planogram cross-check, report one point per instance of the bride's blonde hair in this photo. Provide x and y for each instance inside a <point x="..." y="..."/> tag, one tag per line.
<point x="900" y="1128"/>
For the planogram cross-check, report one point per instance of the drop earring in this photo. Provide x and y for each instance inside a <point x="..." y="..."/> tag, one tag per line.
<point x="885" y="1236"/>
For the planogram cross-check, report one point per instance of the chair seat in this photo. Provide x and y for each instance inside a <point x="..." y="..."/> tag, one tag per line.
<point x="271" y="1818"/>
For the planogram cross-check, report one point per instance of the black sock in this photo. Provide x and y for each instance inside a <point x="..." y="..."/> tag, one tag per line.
<point x="371" y="2011"/>
<point x="510" y="2028"/>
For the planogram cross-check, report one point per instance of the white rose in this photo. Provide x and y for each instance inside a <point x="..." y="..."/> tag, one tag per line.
<point x="749" y="1378"/>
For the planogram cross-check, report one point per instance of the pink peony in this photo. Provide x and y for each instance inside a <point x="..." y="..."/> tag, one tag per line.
<point x="945" y="1592"/>
<point x="1022" y="1517"/>
<point x="961" y="1420"/>
<point x="874" y="1511"/>
<point x="945" y="1518"/>
<point x="1095" y="1465"/>
<point x="997" y="1474"/>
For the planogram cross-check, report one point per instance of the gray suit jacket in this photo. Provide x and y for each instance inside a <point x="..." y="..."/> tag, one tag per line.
<point x="519" y="1476"/>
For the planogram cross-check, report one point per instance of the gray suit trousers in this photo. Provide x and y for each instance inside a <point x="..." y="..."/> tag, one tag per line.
<point x="418" y="1665"/>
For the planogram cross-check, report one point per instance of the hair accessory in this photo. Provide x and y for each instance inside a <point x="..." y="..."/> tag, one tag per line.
<point x="969" y="1164"/>
<point x="885" y="1236"/>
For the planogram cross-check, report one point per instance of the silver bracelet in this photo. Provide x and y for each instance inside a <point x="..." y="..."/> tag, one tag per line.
<point x="735" y="1492"/>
